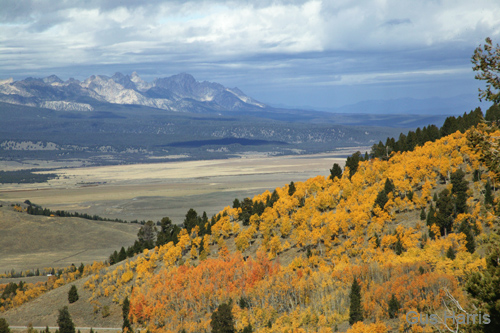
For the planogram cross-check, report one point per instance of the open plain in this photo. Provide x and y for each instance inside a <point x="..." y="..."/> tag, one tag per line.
<point x="155" y="190"/>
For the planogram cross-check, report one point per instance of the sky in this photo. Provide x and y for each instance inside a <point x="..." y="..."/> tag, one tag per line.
<point x="300" y="53"/>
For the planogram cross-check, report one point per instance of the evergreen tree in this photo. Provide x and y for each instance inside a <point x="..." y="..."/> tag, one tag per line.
<point x="459" y="191"/>
<point x="477" y="175"/>
<point x="127" y="327"/>
<point x="451" y="253"/>
<point x="469" y="237"/>
<point x="381" y="199"/>
<point x="352" y="163"/>
<point x="423" y="216"/>
<point x="73" y="294"/>
<point x="291" y="189"/>
<point x="191" y="220"/>
<point x="398" y="247"/>
<point x="488" y="197"/>
<point x="355" y="309"/>
<point x="236" y="203"/>
<point x="81" y="268"/>
<point x="4" y="326"/>
<point x="64" y="321"/>
<point x="394" y="307"/>
<point x="222" y="320"/>
<point x="444" y="215"/>
<point x="335" y="171"/>
<point x="484" y="287"/>
<point x="274" y="197"/>
<point x="122" y="255"/>
<point x="388" y="186"/>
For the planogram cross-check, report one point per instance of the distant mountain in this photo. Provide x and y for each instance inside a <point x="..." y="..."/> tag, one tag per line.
<point x="180" y="93"/>
<point x="455" y="105"/>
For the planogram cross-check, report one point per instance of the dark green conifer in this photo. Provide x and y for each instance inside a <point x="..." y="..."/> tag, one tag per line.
<point x="355" y="309"/>
<point x="64" y="321"/>
<point x="422" y="214"/>
<point x="73" y="294"/>
<point x="469" y="236"/>
<point x="394" y="306"/>
<point x="222" y="320"/>
<point x="484" y="287"/>
<point x="488" y="197"/>
<point x="4" y="326"/>
<point x="451" y="253"/>
<point x="335" y="171"/>
<point x="126" y="327"/>
<point x="381" y="199"/>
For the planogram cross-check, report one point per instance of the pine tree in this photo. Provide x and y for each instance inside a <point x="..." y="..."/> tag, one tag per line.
<point x="291" y="189"/>
<point x="484" y="287"/>
<point x="423" y="215"/>
<point x="451" y="254"/>
<point x="236" y="203"/>
<point x="394" y="307"/>
<point x="64" y="321"/>
<point x="459" y="191"/>
<point x="355" y="309"/>
<point x="469" y="237"/>
<point x="127" y="327"/>
<point x="73" y="294"/>
<point x="335" y="171"/>
<point x="122" y="255"/>
<point x="488" y="198"/>
<point x="222" y="320"/>
<point x="4" y="326"/>
<point x="388" y="186"/>
<point x="381" y="199"/>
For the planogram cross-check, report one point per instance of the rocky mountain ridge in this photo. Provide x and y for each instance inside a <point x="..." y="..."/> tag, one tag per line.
<point x="180" y="93"/>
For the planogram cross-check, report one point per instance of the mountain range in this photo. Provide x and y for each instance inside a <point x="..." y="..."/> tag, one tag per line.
<point x="179" y="93"/>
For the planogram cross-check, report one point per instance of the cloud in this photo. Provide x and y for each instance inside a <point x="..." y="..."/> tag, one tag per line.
<point x="252" y="43"/>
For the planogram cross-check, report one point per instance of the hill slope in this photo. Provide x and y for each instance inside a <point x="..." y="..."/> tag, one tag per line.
<point x="30" y="242"/>
<point x="290" y="265"/>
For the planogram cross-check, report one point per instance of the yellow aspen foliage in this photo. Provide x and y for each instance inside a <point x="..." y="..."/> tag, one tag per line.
<point x="274" y="247"/>
<point x="184" y="239"/>
<point x="173" y="254"/>
<point x="127" y="276"/>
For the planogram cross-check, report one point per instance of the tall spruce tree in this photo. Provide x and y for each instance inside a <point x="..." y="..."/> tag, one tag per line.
<point x="394" y="307"/>
<point x="459" y="191"/>
<point x="126" y="327"/>
<point x="488" y="197"/>
<point x="355" y="309"/>
<point x="72" y="294"/>
<point x="335" y="171"/>
<point x="4" y="326"/>
<point x="64" y="321"/>
<point x="222" y="320"/>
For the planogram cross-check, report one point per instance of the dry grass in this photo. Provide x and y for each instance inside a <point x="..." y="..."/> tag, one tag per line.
<point x="30" y="242"/>
<point x="153" y="191"/>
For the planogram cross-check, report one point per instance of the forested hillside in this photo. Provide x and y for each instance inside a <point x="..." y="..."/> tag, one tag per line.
<point x="408" y="230"/>
<point x="354" y="252"/>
